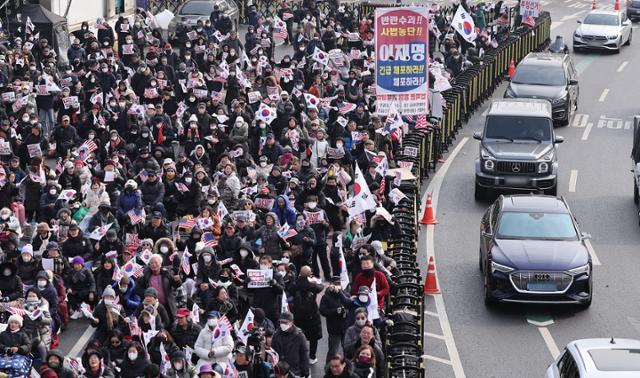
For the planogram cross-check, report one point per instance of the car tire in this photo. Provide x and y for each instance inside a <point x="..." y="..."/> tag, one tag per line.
<point x="480" y="265"/>
<point x="569" y="114"/>
<point x="489" y="301"/>
<point x="480" y="193"/>
<point x="576" y="49"/>
<point x="629" y="40"/>
<point x="553" y="191"/>
<point x="636" y="195"/>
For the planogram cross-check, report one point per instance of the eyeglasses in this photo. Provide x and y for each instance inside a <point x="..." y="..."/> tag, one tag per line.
<point x="360" y="318"/>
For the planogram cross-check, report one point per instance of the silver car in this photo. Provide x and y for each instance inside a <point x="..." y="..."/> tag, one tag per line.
<point x="597" y="358"/>
<point x="191" y="11"/>
<point x="604" y="30"/>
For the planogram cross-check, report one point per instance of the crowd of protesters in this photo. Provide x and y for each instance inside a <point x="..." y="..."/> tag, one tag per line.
<point x="189" y="201"/>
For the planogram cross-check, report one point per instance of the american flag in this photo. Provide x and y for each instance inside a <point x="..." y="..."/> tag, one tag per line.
<point x="134" y="328"/>
<point x="17" y="311"/>
<point x="58" y="165"/>
<point x="144" y="176"/>
<point x="409" y="118"/>
<point x="209" y="239"/>
<point x="134" y="218"/>
<point x="91" y="145"/>
<point x="225" y="325"/>
<point x="138" y="272"/>
<point x="382" y="186"/>
<point x="286" y="232"/>
<point x="186" y="266"/>
<point x="421" y="122"/>
<point x="187" y="224"/>
<point x="346" y="107"/>
<point x="195" y="313"/>
<point x="117" y="274"/>
<point x="182" y="187"/>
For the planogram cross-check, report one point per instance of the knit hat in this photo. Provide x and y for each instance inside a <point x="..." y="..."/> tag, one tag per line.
<point x="15" y="318"/>
<point x="77" y="260"/>
<point x="151" y="292"/>
<point x="286" y="316"/>
<point x="363" y="290"/>
<point x="108" y="291"/>
<point x="27" y="249"/>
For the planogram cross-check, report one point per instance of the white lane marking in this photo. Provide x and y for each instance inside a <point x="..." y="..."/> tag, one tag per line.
<point x="434" y="335"/>
<point x="436" y="359"/>
<point x="549" y="341"/>
<point x="580" y="120"/>
<point x="587" y="131"/>
<point x="622" y="66"/>
<point x="555" y="24"/>
<point x="594" y="258"/>
<point x="604" y="94"/>
<point x="434" y="189"/>
<point x="78" y="347"/>
<point x="573" y="180"/>
<point x="431" y="313"/>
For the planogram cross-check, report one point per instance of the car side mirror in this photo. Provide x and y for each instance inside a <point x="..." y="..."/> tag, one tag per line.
<point x="558" y="139"/>
<point x="579" y="21"/>
<point x="477" y="135"/>
<point x="573" y="82"/>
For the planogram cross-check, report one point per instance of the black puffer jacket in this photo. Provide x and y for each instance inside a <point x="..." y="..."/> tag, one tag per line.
<point x="10" y="286"/>
<point x="19" y="339"/>
<point x="77" y="246"/>
<point x="27" y="271"/>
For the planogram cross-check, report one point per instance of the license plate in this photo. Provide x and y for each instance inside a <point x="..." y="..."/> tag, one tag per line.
<point x="516" y="180"/>
<point x="542" y="287"/>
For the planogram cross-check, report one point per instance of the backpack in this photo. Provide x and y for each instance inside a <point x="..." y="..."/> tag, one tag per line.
<point x="304" y="304"/>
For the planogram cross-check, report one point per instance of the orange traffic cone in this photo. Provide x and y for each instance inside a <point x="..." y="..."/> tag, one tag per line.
<point x="512" y="69"/>
<point x="428" y="217"/>
<point x="430" y="283"/>
<point x="617" y="5"/>
<point x="593" y="4"/>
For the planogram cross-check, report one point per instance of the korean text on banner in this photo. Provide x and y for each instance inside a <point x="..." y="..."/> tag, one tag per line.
<point x="530" y="8"/>
<point x="401" y="45"/>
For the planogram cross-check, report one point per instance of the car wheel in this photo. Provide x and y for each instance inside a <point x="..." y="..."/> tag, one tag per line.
<point x="480" y="265"/>
<point x="636" y="195"/>
<point x="629" y="40"/>
<point x="569" y="114"/>
<point x="489" y="301"/>
<point x="480" y="193"/>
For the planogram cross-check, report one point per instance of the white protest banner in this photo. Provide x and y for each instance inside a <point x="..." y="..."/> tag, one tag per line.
<point x="254" y="97"/>
<point x="411" y="151"/>
<point x="530" y="8"/>
<point x="264" y="203"/>
<point x="47" y="264"/>
<point x="396" y="195"/>
<point x="34" y="150"/>
<point x="5" y="148"/>
<point x="127" y="49"/>
<point x="405" y="164"/>
<point x="259" y="278"/>
<point x="359" y="241"/>
<point x="314" y="216"/>
<point x="8" y="96"/>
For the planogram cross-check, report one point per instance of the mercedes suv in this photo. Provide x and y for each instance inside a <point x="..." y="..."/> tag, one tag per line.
<point x="517" y="148"/>
<point x="532" y="251"/>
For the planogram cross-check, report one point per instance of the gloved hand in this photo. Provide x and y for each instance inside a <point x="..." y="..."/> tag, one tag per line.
<point x="339" y="310"/>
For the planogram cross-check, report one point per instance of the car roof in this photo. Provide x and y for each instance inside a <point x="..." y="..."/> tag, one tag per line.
<point x="533" y="203"/>
<point x="544" y="59"/>
<point x="582" y="349"/>
<point x="601" y="11"/>
<point x="528" y="107"/>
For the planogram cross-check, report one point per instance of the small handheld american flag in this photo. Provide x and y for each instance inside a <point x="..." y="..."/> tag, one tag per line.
<point x="209" y="239"/>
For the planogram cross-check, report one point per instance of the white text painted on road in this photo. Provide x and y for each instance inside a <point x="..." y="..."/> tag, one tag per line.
<point x="587" y="131"/>
<point x="573" y="180"/>
<point x="580" y="120"/>
<point x="622" y="66"/>
<point x="549" y="342"/>
<point x="604" y="94"/>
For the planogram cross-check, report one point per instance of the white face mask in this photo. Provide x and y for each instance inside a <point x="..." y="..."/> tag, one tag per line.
<point x="109" y="302"/>
<point x="164" y="249"/>
<point x="7" y="272"/>
<point x="282" y="273"/>
<point x="212" y="322"/>
<point x="363" y="298"/>
<point x="263" y="164"/>
<point x="312" y="205"/>
<point x="361" y="322"/>
<point x="284" y="260"/>
<point x="53" y="192"/>
<point x="284" y="326"/>
<point x="188" y="180"/>
<point x="132" y="355"/>
<point x="264" y="267"/>
<point x="206" y="258"/>
<point x="178" y="365"/>
<point x="42" y="284"/>
<point x="244" y="253"/>
<point x="26" y="257"/>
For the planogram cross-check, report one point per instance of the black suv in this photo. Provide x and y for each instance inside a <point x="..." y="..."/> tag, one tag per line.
<point x="633" y="10"/>
<point x="517" y="148"/>
<point x="551" y="77"/>
<point x="532" y="251"/>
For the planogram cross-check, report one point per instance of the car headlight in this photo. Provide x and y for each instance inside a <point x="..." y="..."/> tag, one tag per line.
<point x="559" y="100"/>
<point x="543" y="167"/>
<point x="489" y="165"/>
<point x="612" y="36"/>
<point x="500" y="268"/>
<point x="580" y="270"/>
<point x="548" y="156"/>
<point x="577" y="34"/>
<point x="485" y="154"/>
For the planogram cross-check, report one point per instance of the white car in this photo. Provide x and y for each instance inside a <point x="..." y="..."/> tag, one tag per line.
<point x="603" y="30"/>
<point x="597" y="358"/>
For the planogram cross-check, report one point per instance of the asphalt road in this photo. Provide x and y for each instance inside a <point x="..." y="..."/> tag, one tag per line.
<point x="516" y="340"/>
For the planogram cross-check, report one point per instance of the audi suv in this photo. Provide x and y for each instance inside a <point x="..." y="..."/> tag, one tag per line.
<point x="532" y="251"/>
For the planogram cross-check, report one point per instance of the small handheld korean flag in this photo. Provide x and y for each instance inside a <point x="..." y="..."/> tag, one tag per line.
<point x="266" y="113"/>
<point x="463" y="23"/>
<point x="372" y="307"/>
<point x="344" y="274"/>
<point x="284" y="304"/>
<point x="311" y="100"/>
<point x="247" y="326"/>
<point x="67" y="194"/>
<point x="320" y="56"/>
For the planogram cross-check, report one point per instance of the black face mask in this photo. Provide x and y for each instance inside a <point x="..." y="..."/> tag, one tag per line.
<point x="368" y="272"/>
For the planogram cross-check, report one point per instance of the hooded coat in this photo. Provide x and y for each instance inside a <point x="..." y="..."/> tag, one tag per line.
<point x="38" y="329"/>
<point x="287" y="213"/>
<point x="272" y="243"/>
<point x="10" y="286"/>
<point x="222" y="347"/>
<point x="129" y="300"/>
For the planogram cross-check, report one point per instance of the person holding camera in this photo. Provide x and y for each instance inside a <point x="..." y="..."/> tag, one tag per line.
<point x="334" y="306"/>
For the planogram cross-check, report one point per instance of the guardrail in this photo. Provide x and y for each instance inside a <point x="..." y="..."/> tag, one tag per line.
<point x="405" y="339"/>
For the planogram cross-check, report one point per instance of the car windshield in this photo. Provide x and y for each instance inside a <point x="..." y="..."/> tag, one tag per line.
<point x="601" y="19"/>
<point x="539" y="75"/>
<point x="202" y="8"/>
<point x="526" y="225"/>
<point x="523" y="128"/>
